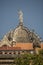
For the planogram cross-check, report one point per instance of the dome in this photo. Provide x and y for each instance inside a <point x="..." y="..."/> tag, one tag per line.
<point x="20" y="34"/>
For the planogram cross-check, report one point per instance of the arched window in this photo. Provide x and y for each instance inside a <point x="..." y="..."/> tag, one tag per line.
<point x="18" y="52"/>
<point x="14" y="52"/>
<point x="5" y="52"/>
<point x="4" y="45"/>
<point x="9" y="52"/>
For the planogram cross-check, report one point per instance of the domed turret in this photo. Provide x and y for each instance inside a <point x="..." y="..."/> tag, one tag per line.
<point x="22" y="34"/>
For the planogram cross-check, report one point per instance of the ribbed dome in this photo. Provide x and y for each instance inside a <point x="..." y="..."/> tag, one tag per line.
<point x="20" y="34"/>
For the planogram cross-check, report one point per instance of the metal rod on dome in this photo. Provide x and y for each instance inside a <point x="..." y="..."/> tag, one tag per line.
<point x="20" y="17"/>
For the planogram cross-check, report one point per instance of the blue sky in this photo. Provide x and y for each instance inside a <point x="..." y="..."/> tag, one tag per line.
<point x="32" y="14"/>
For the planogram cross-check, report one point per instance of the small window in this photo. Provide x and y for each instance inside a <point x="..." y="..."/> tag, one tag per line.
<point x="10" y="53"/>
<point x="0" y="52"/>
<point x="14" y="52"/>
<point x="18" y="52"/>
<point x="5" y="52"/>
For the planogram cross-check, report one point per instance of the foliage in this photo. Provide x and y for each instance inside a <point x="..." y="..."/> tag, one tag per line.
<point x="27" y="59"/>
<point x="41" y="52"/>
<point x="38" y="60"/>
<point x="23" y="60"/>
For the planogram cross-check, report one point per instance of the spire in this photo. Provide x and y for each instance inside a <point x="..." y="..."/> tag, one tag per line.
<point x="20" y="17"/>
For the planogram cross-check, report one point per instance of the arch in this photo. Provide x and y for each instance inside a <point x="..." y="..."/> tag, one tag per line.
<point x="4" y="44"/>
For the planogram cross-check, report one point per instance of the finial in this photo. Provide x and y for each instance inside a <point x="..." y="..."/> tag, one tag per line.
<point x="20" y="17"/>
